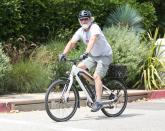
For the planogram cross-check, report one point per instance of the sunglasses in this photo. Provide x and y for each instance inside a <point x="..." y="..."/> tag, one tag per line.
<point x="84" y="19"/>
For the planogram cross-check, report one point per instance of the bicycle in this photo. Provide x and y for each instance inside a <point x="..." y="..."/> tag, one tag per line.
<point x="62" y="97"/>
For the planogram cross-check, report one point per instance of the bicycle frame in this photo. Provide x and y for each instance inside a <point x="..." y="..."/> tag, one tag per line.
<point x="75" y="74"/>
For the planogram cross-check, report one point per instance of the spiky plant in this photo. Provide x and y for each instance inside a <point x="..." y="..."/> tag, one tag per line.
<point x="152" y="65"/>
<point x="126" y="16"/>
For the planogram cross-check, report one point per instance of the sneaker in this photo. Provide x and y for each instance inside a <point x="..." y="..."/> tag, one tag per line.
<point x="96" y="106"/>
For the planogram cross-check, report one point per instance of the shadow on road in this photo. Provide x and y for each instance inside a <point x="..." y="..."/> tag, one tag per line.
<point x="86" y="118"/>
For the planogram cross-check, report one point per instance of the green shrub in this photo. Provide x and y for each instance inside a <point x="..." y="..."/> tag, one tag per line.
<point x="150" y="76"/>
<point x="148" y="13"/>
<point x="28" y="77"/>
<point x="19" y="48"/>
<point x="42" y="56"/>
<point x="56" y="47"/>
<point x="47" y="55"/>
<point x="126" y="16"/>
<point x="40" y="20"/>
<point x="4" y="63"/>
<point x="5" y="67"/>
<point x="10" y="19"/>
<point x="127" y="49"/>
<point x="61" y="67"/>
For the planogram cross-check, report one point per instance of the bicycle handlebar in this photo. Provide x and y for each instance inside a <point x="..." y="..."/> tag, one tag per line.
<point x="74" y="61"/>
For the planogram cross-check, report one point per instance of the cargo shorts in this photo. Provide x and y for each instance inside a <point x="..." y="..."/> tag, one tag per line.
<point x="100" y="63"/>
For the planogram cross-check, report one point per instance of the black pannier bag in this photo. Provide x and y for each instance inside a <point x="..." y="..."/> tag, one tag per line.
<point x="117" y="71"/>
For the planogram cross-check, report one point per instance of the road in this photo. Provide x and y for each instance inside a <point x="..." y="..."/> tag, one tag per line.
<point x="139" y="116"/>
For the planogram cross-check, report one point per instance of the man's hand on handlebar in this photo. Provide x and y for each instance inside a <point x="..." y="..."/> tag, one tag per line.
<point x="84" y="56"/>
<point x="62" y="57"/>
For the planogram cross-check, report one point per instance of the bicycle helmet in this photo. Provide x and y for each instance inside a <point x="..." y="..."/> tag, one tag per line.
<point x="84" y="13"/>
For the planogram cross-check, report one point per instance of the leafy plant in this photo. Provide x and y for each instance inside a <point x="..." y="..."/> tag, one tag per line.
<point x="19" y="49"/>
<point x="150" y="76"/>
<point x="10" y="19"/>
<point x="127" y="49"/>
<point x="42" y="56"/>
<point x="59" y="68"/>
<point x="5" y="67"/>
<point x="28" y="77"/>
<point x="147" y="11"/>
<point x="40" y="20"/>
<point x="4" y="62"/>
<point x="126" y="16"/>
<point x="159" y="6"/>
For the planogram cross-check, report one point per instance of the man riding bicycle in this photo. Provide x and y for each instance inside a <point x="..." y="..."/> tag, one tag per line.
<point x="98" y="52"/>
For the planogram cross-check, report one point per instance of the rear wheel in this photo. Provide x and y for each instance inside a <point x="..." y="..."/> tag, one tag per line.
<point x="116" y="107"/>
<point x="57" y="106"/>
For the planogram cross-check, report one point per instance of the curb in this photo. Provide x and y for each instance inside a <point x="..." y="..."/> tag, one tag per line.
<point x="5" y="107"/>
<point x="156" y="94"/>
<point x="33" y="102"/>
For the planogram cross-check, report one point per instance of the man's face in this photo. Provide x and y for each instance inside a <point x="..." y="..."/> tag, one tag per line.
<point x="84" y="20"/>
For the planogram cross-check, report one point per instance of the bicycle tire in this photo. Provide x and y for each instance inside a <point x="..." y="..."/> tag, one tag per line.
<point x="116" y="86"/>
<point x="53" y="97"/>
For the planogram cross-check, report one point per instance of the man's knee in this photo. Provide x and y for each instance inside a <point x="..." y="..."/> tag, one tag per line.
<point x="96" y="76"/>
<point x="82" y="65"/>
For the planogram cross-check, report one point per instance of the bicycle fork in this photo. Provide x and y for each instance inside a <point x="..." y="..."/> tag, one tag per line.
<point x="66" y="89"/>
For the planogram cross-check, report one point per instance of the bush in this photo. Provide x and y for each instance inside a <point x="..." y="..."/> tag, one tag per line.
<point x="150" y="76"/>
<point x="35" y="74"/>
<point x="61" y="67"/>
<point x="10" y="19"/>
<point x="19" y="48"/>
<point x="127" y="49"/>
<point x="148" y="13"/>
<point x="57" y="47"/>
<point x="42" y="56"/>
<point x="4" y="63"/>
<point x="28" y="77"/>
<point x="126" y="16"/>
<point x="47" y="55"/>
<point x="5" y="67"/>
<point x="41" y="20"/>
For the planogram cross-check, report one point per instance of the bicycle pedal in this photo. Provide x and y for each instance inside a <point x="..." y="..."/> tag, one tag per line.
<point x="89" y="104"/>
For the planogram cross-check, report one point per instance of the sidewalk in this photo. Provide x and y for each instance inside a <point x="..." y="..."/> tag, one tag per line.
<point x="31" y="102"/>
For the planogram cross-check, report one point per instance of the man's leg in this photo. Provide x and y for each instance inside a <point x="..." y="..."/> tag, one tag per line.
<point x="98" y="86"/>
<point x="82" y="66"/>
<point x="88" y="63"/>
<point x="100" y="72"/>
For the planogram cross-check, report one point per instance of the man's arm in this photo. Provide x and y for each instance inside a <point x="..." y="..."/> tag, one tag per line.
<point x="91" y="42"/>
<point x="71" y="44"/>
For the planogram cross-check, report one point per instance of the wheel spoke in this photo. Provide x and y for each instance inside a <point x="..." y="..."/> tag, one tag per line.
<point x="119" y="104"/>
<point x="57" y="106"/>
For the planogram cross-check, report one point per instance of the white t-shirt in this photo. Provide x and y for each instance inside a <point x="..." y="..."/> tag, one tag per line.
<point x="101" y="47"/>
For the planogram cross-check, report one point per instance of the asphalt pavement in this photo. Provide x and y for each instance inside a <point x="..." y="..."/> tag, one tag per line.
<point x="141" y="115"/>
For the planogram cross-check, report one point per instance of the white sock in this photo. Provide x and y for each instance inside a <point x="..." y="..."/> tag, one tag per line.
<point x="98" y="100"/>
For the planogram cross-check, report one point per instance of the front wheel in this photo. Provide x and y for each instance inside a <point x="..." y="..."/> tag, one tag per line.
<point x="117" y="107"/>
<point x="58" y="107"/>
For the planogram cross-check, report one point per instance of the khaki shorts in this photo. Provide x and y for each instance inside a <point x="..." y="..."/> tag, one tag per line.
<point x="100" y="62"/>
